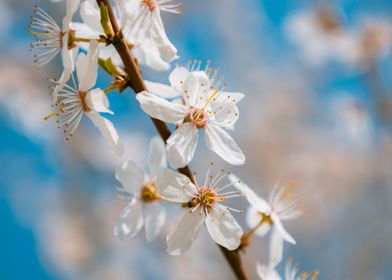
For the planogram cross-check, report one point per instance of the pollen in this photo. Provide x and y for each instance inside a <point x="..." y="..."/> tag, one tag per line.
<point x="207" y="198"/>
<point x="198" y="117"/>
<point x="148" y="193"/>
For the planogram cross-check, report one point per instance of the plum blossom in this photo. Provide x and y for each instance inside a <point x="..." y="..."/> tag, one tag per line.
<point x="51" y="40"/>
<point x="139" y="188"/>
<point x="152" y="49"/>
<point x="201" y="203"/>
<point x="204" y="105"/>
<point x="263" y="216"/>
<point x="290" y="273"/>
<point x="73" y="103"/>
<point x="142" y="20"/>
<point x="319" y="34"/>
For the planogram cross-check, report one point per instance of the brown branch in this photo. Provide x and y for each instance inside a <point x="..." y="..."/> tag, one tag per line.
<point x="137" y="84"/>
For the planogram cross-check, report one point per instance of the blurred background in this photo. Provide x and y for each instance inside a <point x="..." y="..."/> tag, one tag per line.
<point x="318" y="82"/>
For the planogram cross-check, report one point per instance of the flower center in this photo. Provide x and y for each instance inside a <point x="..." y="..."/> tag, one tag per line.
<point x="198" y="117"/>
<point x="82" y="96"/>
<point x="373" y="40"/>
<point x="148" y="193"/>
<point x="265" y="219"/>
<point x="328" y="20"/>
<point x="151" y="4"/>
<point x="207" y="198"/>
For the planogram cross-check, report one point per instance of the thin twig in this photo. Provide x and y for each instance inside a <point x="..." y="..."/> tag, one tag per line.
<point x="137" y="84"/>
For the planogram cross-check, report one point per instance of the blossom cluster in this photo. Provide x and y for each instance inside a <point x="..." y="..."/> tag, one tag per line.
<point x="195" y="101"/>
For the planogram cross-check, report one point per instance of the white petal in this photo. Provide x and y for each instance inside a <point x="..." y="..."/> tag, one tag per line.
<point x="254" y="200"/>
<point x="183" y="234"/>
<point x="226" y="116"/>
<point x="174" y="186"/>
<point x="167" y="50"/>
<point x="229" y="98"/>
<point x="156" y="156"/>
<point x="66" y="54"/>
<point x="266" y="273"/>
<point x="160" y="108"/>
<point x="223" y="228"/>
<point x="98" y="101"/>
<point x="181" y="145"/>
<point x="71" y="7"/>
<point x="196" y="84"/>
<point x="154" y="219"/>
<point x="162" y="90"/>
<point x="148" y="54"/>
<point x="253" y="218"/>
<point x="220" y="142"/>
<point x="282" y="231"/>
<point x="84" y="31"/>
<point x="87" y="67"/>
<point x="60" y="83"/>
<point x="90" y="15"/>
<point x="108" y="131"/>
<point x="130" y="221"/>
<point x="131" y="176"/>
<point x="177" y="78"/>
<point x="276" y="248"/>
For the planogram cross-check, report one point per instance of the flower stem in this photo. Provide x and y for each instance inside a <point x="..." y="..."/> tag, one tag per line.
<point x="109" y="89"/>
<point x="137" y="84"/>
<point x="87" y="40"/>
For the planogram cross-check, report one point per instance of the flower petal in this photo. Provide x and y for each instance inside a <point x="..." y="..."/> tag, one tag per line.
<point x="253" y="218"/>
<point x="156" y="156"/>
<point x="276" y="248"/>
<point x="167" y="50"/>
<point x="220" y="142"/>
<point x="131" y="176"/>
<point x="67" y="55"/>
<point x="282" y="231"/>
<point x="130" y="221"/>
<point x="90" y="15"/>
<point x="223" y="228"/>
<point x="154" y="219"/>
<point x="87" y="67"/>
<point x="181" y="145"/>
<point x="254" y="200"/>
<point x="71" y="7"/>
<point x="184" y="233"/>
<point x="108" y="131"/>
<point x="162" y="90"/>
<point x="174" y="186"/>
<point x="160" y="108"/>
<point x="225" y="116"/>
<point x="196" y="85"/>
<point x="147" y="53"/>
<point x="98" y="101"/>
<point x="60" y="83"/>
<point x="266" y="273"/>
<point x="177" y="78"/>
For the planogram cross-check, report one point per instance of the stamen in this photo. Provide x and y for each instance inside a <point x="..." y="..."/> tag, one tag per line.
<point x="57" y="113"/>
<point x="208" y="174"/>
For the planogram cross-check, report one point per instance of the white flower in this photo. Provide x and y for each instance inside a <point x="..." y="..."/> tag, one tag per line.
<point x="201" y="203"/>
<point x="203" y="106"/>
<point x="371" y="40"/>
<point x="291" y="272"/>
<point x="143" y="21"/>
<point x="74" y="103"/>
<point x="263" y="216"/>
<point x="140" y="188"/>
<point x="150" y="51"/>
<point x="319" y="34"/>
<point x="51" y="39"/>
